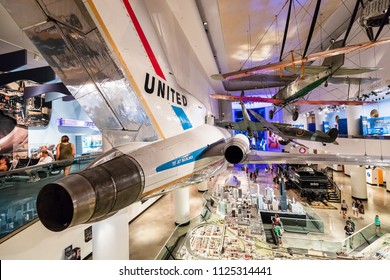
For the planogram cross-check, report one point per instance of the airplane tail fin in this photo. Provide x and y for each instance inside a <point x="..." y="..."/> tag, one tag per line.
<point x="334" y="61"/>
<point x="333" y="133"/>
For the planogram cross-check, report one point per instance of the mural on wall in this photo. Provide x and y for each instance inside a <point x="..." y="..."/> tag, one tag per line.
<point x="13" y="136"/>
<point x="17" y="114"/>
<point x="18" y="108"/>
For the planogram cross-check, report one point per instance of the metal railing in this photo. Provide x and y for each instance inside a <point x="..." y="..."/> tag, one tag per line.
<point x="19" y="189"/>
<point x="363" y="237"/>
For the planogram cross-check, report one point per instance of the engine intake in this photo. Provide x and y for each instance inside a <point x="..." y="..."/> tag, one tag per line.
<point x="90" y="195"/>
<point x="236" y="149"/>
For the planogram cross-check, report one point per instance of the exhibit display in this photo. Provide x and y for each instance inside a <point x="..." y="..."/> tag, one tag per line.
<point x="235" y="229"/>
<point x="151" y="103"/>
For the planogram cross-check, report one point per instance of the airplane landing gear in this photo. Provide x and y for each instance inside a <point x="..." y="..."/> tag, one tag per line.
<point x="271" y="114"/>
<point x="295" y="115"/>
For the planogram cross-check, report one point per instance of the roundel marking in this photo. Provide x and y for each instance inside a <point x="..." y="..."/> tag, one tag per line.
<point x="299" y="132"/>
<point x="302" y="150"/>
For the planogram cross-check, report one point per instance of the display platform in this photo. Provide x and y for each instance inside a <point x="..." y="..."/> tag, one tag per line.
<point x="234" y="228"/>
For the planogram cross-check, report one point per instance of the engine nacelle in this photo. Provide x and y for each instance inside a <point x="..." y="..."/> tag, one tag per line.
<point x="283" y="141"/>
<point x="90" y="195"/>
<point x="236" y="149"/>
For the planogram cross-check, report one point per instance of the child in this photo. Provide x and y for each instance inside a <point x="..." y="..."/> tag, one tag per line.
<point x="377" y="224"/>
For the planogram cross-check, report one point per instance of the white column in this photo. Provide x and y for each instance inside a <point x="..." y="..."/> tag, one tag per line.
<point x="353" y="117"/>
<point x="358" y="182"/>
<point x="110" y="238"/>
<point x="203" y="186"/>
<point x="181" y="199"/>
<point x="387" y="178"/>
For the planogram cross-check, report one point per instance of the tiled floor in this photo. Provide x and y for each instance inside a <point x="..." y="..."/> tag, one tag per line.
<point x="149" y="231"/>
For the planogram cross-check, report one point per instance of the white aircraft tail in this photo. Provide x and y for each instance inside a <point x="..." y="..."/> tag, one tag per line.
<point x="108" y="55"/>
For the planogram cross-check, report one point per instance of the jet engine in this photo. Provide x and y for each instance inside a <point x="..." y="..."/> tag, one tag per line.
<point x="126" y="174"/>
<point x="236" y="149"/>
<point x="90" y="195"/>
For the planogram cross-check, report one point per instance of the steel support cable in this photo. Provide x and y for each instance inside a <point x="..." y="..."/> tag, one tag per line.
<point x="286" y="30"/>
<point x="313" y="23"/>
<point x="351" y="23"/>
<point x="383" y="22"/>
<point x="262" y="37"/>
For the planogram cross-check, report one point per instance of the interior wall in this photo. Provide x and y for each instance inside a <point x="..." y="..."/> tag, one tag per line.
<point x="38" y="243"/>
<point x="52" y="133"/>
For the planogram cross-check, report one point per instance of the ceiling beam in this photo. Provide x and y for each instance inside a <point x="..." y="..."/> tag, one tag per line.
<point x="313" y="24"/>
<point x="351" y="23"/>
<point x="383" y="22"/>
<point x="286" y="30"/>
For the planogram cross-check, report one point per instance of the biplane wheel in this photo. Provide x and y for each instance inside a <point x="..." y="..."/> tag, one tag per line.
<point x="271" y="114"/>
<point x="295" y="115"/>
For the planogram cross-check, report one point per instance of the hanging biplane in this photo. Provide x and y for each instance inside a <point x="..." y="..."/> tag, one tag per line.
<point x="293" y="94"/>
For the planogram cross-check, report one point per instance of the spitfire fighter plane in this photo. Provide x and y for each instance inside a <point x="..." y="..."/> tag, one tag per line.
<point x="286" y="132"/>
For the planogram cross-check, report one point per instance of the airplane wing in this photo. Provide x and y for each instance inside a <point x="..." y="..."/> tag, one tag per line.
<point x="242" y="126"/>
<point x="268" y="125"/>
<point x="280" y="101"/>
<point x="259" y="81"/>
<point x="274" y="128"/>
<point x="289" y="158"/>
<point x="351" y="81"/>
<point x="311" y="57"/>
<point x="232" y="125"/>
<point x="246" y="98"/>
<point x="332" y="102"/>
<point x="299" y="144"/>
<point x="315" y="69"/>
<point x="353" y="71"/>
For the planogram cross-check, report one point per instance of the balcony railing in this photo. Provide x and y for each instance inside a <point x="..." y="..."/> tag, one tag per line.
<point x="19" y="189"/>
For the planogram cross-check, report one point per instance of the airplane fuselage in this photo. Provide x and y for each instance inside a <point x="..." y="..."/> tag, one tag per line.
<point x="301" y="87"/>
<point x="302" y="134"/>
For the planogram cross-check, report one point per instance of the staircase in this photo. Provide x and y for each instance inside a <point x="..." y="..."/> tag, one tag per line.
<point x="270" y="235"/>
<point x="334" y="193"/>
<point x="333" y="196"/>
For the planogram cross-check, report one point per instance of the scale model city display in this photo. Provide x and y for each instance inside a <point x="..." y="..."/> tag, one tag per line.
<point x="235" y="229"/>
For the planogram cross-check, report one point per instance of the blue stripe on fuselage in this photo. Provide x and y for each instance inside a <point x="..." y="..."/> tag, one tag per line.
<point x="191" y="157"/>
<point x="185" y="122"/>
